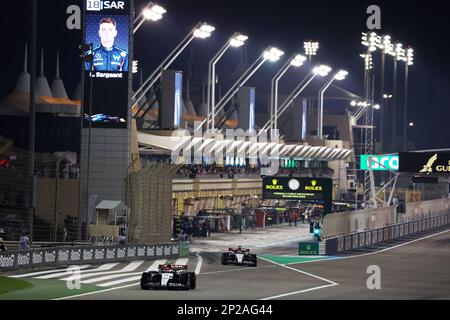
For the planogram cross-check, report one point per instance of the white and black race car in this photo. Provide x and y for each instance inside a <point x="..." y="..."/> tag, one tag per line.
<point x="169" y="276"/>
<point x="239" y="256"/>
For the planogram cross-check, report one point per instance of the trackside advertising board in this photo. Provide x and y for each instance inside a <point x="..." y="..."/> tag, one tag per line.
<point x="380" y="163"/>
<point x="425" y="162"/>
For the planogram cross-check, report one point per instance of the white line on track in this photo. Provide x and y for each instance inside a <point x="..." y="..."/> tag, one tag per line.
<point x="199" y="263"/>
<point x="130" y="267"/>
<point x="395" y="247"/>
<point x="44" y="272"/>
<point x="100" y="291"/>
<point x="134" y="276"/>
<point x="103" y="267"/>
<point x="238" y="269"/>
<point x="301" y="291"/>
<point x="300" y="271"/>
<point x="332" y="283"/>
<point x="274" y="297"/>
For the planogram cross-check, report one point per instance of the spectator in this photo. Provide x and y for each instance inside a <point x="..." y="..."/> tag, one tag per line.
<point x="2" y="245"/>
<point x="121" y="239"/>
<point x="269" y="220"/>
<point x="24" y="241"/>
<point x="64" y="234"/>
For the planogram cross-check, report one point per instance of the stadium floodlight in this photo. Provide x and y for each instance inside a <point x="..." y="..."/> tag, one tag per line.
<point x="353" y="103"/>
<point x="410" y="56"/>
<point x="311" y="48"/>
<point x="322" y="70"/>
<point x="372" y="41"/>
<point x="272" y="54"/>
<point x="339" y="75"/>
<point x="376" y="106"/>
<point x="236" y="40"/>
<point x="152" y="11"/>
<point x="204" y="31"/>
<point x="399" y="52"/>
<point x="297" y="60"/>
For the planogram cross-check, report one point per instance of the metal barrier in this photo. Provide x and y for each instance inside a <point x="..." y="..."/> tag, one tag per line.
<point x="358" y="240"/>
<point x="51" y="257"/>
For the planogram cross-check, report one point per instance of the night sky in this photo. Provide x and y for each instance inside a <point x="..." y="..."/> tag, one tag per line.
<point x="336" y="25"/>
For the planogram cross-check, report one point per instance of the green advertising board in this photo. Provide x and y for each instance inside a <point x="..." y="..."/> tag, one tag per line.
<point x="308" y="248"/>
<point x="380" y="163"/>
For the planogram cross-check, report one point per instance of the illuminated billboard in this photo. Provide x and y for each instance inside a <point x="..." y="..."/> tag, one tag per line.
<point x="379" y="163"/>
<point x="437" y="163"/>
<point x="301" y="189"/>
<point x="106" y="83"/>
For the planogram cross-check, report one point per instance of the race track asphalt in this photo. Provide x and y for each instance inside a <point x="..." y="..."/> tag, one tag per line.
<point x="415" y="268"/>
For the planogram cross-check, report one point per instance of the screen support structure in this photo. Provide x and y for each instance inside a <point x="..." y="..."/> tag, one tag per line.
<point x="393" y="181"/>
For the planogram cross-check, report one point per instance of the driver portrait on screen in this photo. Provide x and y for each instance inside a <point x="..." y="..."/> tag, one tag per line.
<point x="107" y="56"/>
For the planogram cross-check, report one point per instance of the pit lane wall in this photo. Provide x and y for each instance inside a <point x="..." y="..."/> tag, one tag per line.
<point x="423" y="209"/>
<point x="354" y="241"/>
<point x="344" y="223"/>
<point x="63" y="256"/>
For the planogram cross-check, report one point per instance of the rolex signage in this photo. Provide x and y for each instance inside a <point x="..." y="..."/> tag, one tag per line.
<point x="426" y="163"/>
<point x="296" y="188"/>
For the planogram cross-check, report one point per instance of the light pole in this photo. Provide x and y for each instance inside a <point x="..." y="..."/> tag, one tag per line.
<point x="297" y="61"/>
<point x="399" y="55"/>
<point x="271" y="54"/>
<point x="385" y="106"/>
<point x="409" y="61"/>
<point x="151" y="12"/>
<point x="311" y="48"/>
<point x="321" y="70"/>
<point x="237" y="40"/>
<point x="201" y="30"/>
<point x="340" y="75"/>
<point x="387" y="48"/>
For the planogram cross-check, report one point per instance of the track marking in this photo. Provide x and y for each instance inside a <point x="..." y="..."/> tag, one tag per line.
<point x="300" y="271"/>
<point x="199" y="263"/>
<point x="375" y="252"/>
<point x="134" y="276"/>
<point x="301" y="291"/>
<point x="130" y="267"/>
<point x="107" y="266"/>
<point x="237" y="269"/>
<point x="332" y="283"/>
<point x="100" y="291"/>
<point x="45" y="272"/>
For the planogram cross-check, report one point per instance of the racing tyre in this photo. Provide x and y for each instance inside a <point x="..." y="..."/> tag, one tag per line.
<point x="254" y="260"/>
<point x="187" y="284"/>
<point x="145" y="280"/>
<point x="193" y="277"/>
<point x="224" y="259"/>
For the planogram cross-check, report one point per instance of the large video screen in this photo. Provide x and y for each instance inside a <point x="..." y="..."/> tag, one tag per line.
<point x="106" y="81"/>
<point x="300" y="189"/>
